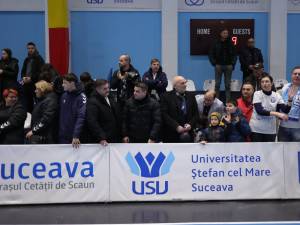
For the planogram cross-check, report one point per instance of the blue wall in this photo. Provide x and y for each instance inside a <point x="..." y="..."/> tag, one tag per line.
<point x="18" y="28"/>
<point x="293" y="43"/>
<point x="98" y="39"/>
<point x="198" y="68"/>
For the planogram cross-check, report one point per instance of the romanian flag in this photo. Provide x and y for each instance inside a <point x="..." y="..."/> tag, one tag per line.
<point x="58" y="25"/>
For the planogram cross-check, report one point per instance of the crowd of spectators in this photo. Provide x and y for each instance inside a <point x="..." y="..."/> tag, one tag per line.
<point x="46" y="107"/>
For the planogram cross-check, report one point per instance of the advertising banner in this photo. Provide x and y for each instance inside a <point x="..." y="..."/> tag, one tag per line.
<point x="142" y="172"/>
<point x="53" y="174"/>
<point x="292" y="169"/>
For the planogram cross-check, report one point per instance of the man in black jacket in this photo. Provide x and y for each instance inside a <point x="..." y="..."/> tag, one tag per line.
<point x="30" y="74"/>
<point x="124" y="79"/>
<point x="141" y="117"/>
<point x="179" y="112"/>
<point x="102" y="116"/>
<point x="223" y="57"/>
<point x="249" y="57"/>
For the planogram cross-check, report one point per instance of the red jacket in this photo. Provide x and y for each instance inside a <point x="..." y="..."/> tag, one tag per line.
<point x="245" y="107"/>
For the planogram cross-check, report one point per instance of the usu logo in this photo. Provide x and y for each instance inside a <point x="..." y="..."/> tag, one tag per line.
<point x="150" y="168"/>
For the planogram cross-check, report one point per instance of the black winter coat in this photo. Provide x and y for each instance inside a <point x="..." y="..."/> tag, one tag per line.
<point x="103" y="120"/>
<point x="173" y="116"/>
<point x="141" y="120"/>
<point x="12" y="124"/>
<point x="250" y="56"/>
<point x="9" y="77"/>
<point x="44" y="118"/>
<point x="223" y="53"/>
<point x="125" y="87"/>
<point x="37" y="63"/>
<point x="213" y="134"/>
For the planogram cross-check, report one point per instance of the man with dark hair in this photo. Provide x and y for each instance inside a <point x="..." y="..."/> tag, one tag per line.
<point x="141" y="117"/>
<point x="244" y="103"/>
<point x="103" y="116"/>
<point x="72" y="111"/>
<point x="88" y="83"/>
<point x="249" y="57"/>
<point x="156" y="79"/>
<point x="30" y="74"/>
<point x="124" y="79"/>
<point x="223" y="57"/>
<point x="179" y="112"/>
<point x="49" y="74"/>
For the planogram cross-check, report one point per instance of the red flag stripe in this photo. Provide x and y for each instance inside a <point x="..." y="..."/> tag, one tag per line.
<point x="59" y="49"/>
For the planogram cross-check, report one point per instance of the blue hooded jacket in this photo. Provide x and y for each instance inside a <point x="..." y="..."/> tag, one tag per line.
<point x="72" y="114"/>
<point x="237" y="131"/>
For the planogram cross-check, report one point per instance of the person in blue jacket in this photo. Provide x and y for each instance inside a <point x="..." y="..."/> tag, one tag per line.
<point x="72" y="111"/>
<point x="237" y="128"/>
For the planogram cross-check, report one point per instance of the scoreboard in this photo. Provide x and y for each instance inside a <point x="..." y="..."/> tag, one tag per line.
<point x="204" y="32"/>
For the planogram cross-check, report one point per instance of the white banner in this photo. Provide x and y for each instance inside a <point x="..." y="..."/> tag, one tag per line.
<point x="292" y="169"/>
<point x="224" y="5"/>
<point x="22" y="5"/>
<point x="155" y="5"/>
<point x="53" y="174"/>
<point x="99" y="5"/>
<point x="294" y="6"/>
<point x="196" y="172"/>
<point x="84" y="5"/>
<point x="148" y="172"/>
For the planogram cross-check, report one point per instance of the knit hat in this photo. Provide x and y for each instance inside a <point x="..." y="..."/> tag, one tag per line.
<point x="216" y="114"/>
<point x="219" y="116"/>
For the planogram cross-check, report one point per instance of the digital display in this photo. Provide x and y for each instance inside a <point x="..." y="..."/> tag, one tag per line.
<point x="204" y="32"/>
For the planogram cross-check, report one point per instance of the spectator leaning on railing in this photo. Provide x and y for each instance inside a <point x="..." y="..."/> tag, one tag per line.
<point x="44" y="116"/>
<point x="179" y="113"/>
<point x="72" y="111"/>
<point x="141" y="117"/>
<point x="268" y="105"/>
<point x="103" y="116"/>
<point x="290" y="130"/>
<point x="12" y="117"/>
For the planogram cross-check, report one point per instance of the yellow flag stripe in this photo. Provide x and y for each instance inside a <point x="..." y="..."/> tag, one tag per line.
<point x="57" y="13"/>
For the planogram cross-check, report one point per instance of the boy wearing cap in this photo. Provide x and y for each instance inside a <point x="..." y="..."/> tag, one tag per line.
<point x="215" y="131"/>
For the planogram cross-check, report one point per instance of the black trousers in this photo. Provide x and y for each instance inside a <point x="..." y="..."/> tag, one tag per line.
<point x="258" y="137"/>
